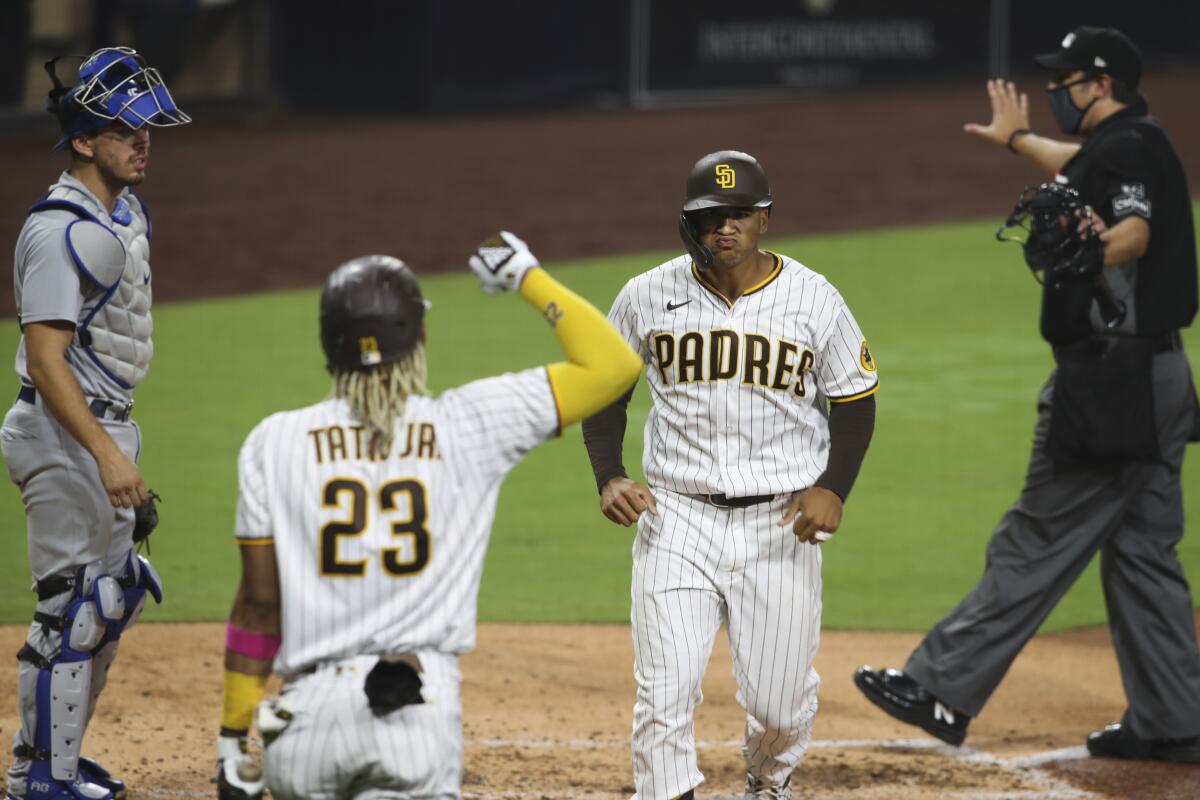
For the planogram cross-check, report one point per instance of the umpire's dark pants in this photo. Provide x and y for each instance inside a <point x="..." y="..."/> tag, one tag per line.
<point x="1133" y="515"/>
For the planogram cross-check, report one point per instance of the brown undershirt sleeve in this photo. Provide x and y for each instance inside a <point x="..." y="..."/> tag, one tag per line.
<point x="604" y="437"/>
<point x="850" y="428"/>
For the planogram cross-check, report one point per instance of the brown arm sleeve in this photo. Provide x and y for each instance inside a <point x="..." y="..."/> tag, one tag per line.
<point x="604" y="437"/>
<point x="850" y="428"/>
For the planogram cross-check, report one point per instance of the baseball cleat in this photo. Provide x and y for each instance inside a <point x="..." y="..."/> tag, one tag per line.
<point x="61" y="790"/>
<point x="91" y="771"/>
<point x="757" y="789"/>
<point x="1117" y="741"/>
<point x="906" y="700"/>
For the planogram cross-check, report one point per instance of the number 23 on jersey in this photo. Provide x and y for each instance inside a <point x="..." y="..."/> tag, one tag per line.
<point x="403" y="506"/>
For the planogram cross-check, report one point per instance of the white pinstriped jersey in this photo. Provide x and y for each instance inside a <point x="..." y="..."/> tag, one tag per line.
<point x="740" y="390"/>
<point x="385" y="555"/>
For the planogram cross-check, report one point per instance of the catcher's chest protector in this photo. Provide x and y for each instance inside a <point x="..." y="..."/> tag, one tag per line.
<point x="116" y="333"/>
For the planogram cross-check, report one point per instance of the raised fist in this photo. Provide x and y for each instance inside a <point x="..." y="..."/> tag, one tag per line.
<point x="501" y="262"/>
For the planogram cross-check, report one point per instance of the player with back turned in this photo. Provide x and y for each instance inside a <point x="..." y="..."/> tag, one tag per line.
<point x="1113" y="422"/>
<point x="763" y="407"/>
<point x="83" y="293"/>
<point x="363" y="522"/>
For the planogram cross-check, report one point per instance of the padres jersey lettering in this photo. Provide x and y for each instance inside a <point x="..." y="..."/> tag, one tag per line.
<point x="381" y="551"/>
<point x="739" y="388"/>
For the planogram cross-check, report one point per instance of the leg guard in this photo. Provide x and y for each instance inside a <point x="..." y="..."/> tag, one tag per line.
<point x="75" y="613"/>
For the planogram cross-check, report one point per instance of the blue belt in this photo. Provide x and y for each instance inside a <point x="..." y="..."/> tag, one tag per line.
<point x="101" y="409"/>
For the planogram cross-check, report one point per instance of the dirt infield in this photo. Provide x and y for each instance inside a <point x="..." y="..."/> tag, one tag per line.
<point x="548" y="714"/>
<point x="278" y="201"/>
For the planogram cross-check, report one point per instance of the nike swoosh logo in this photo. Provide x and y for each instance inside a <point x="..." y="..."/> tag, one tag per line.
<point x="146" y="278"/>
<point x="672" y="306"/>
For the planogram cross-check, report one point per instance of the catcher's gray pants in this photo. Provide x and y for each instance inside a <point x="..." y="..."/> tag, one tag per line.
<point x="69" y="523"/>
<point x="1132" y="515"/>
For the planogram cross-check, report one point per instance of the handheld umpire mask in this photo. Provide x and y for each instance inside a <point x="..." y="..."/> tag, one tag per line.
<point x="724" y="178"/>
<point x="371" y="313"/>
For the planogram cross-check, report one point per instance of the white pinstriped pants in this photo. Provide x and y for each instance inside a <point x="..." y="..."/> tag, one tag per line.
<point x="336" y="748"/>
<point x="694" y="567"/>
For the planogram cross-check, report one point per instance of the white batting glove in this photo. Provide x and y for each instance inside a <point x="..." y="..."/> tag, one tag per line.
<point x="239" y="777"/>
<point x="272" y="718"/>
<point x="501" y="262"/>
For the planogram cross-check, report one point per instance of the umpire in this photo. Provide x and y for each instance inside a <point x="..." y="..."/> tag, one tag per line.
<point x="1113" y="423"/>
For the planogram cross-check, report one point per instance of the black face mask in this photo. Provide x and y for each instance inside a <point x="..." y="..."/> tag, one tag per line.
<point x="1066" y="113"/>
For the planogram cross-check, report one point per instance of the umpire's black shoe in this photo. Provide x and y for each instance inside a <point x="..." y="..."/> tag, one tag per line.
<point x="908" y="701"/>
<point x="1117" y="741"/>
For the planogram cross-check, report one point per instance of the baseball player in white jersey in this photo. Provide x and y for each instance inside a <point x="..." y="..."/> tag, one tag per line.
<point x="763" y="407"/>
<point x="82" y="287"/>
<point x="363" y="522"/>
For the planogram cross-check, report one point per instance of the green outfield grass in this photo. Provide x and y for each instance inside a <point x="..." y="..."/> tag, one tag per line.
<point x="952" y="320"/>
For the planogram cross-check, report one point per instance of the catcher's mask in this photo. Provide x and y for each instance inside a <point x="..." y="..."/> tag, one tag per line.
<point x="371" y="313"/>
<point x="1061" y="244"/>
<point x="724" y="178"/>
<point x="1046" y="221"/>
<point x="114" y="85"/>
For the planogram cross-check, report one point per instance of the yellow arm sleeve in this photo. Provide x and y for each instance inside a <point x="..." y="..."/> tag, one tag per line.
<point x="600" y="365"/>
<point x="242" y="695"/>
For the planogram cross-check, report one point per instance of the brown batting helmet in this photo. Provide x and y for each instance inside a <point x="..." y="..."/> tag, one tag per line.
<point x="371" y="313"/>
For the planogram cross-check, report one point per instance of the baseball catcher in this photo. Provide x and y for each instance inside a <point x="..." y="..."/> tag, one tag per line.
<point x="83" y="293"/>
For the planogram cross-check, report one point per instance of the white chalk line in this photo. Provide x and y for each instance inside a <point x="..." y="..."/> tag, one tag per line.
<point x="1026" y="766"/>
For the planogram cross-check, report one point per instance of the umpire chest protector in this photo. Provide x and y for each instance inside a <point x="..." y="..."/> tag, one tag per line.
<point x="112" y="253"/>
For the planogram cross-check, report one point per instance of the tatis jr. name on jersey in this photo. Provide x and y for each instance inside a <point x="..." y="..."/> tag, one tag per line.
<point x="722" y="355"/>
<point x="352" y="442"/>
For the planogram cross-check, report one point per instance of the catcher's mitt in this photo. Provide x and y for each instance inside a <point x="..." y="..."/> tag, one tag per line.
<point x="145" y="520"/>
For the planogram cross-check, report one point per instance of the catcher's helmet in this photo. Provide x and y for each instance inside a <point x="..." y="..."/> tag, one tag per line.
<point x="1062" y="246"/>
<point x="114" y="85"/>
<point x="724" y="178"/>
<point x="371" y="313"/>
<point x="1046" y="222"/>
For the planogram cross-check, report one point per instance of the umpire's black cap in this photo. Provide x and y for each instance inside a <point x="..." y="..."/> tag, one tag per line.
<point x="1096" y="50"/>
<point x="371" y="313"/>
<point x="727" y="178"/>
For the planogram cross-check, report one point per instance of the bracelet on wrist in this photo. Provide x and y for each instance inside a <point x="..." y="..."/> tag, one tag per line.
<point x="1012" y="137"/>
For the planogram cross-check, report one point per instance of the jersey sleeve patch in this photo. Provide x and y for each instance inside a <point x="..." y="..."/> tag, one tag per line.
<point x="865" y="358"/>
<point x="1131" y="199"/>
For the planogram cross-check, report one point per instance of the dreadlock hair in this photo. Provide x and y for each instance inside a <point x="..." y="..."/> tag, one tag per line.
<point x="377" y="396"/>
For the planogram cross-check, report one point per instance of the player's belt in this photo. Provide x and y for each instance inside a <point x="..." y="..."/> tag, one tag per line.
<point x="1099" y="345"/>
<point x="722" y="501"/>
<point x="101" y="409"/>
